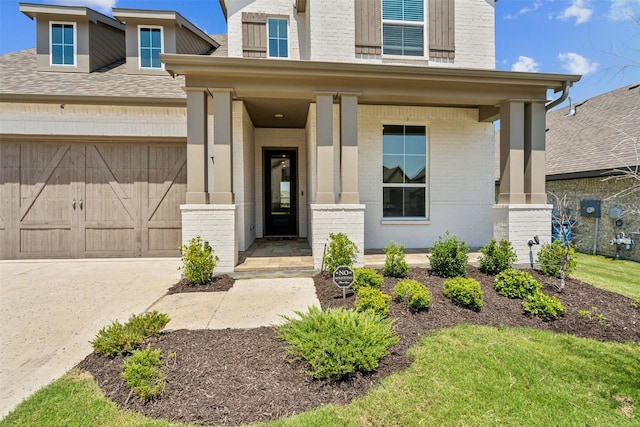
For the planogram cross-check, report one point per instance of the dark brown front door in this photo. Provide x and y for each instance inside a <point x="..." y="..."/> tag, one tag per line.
<point x="280" y="186"/>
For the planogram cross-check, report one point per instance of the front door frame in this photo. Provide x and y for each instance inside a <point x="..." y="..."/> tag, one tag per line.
<point x="266" y="183"/>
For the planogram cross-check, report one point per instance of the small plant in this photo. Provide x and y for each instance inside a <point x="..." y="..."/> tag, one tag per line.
<point x="374" y="300"/>
<point x="544" y="306"/>
<point x="338" y="342"/>
<point x="142" y="372"/>
<point x="341" y="251"/>
<point x="593" y="314"/>
<point x="513" y="283"/>
<point x="148" y="324"/>
<point x="464" y="292"/>
<point x="118" y="338"/>
<point x="557" y="259"/>
<point x="497" y="257"/>
<point x="414" y="292"/>
<point x="395" y="265"/>
<point x="449" y="257"/>
<point x="366" y="278"/>
<point x="636" y="303"/>
<point x="198" y="261"/>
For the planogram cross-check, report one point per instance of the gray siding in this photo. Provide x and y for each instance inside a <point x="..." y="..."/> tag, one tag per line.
<point x="189" y="43"/>
<point x="107" y="45"/>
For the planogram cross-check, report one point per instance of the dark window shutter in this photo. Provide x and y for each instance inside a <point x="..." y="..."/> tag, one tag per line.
<point x="368" y="27"/>
<point x="441" y="29"/>
<point x="254" y="35"/>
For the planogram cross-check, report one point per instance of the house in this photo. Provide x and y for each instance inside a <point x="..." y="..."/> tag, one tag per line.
<point x="372" y="118"/>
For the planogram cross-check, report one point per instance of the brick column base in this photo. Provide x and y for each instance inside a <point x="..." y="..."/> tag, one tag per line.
<point x="331" y="218"/>
<point x="518" y="224"/>
<point x="215" y="224"/>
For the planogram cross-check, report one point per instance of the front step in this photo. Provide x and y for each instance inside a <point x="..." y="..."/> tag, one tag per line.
<point x="273" y="274"/>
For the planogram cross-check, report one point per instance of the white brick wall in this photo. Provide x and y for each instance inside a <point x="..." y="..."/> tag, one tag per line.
<point x="332" y="33"/>
<point x="244" y="174"/>
<point x="325" y="219"/>
<point x="215" y="224"/>
<point x="518" y="224"/>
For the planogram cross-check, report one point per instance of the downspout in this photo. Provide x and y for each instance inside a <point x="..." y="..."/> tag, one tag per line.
<point x="565" y="93"/>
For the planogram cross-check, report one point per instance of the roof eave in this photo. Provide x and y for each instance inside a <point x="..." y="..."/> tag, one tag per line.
<point x="32" y="10"/>
<point x="22" y="98"/>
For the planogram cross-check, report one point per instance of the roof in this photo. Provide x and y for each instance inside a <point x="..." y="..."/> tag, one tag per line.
<point x="223" y="45"/>
<point x="22" y="82"/>
<point x="603" y="134"/>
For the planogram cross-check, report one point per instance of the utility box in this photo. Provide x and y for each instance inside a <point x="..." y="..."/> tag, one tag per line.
<point x="590" y="208"/>
<point x="615" y="213"/>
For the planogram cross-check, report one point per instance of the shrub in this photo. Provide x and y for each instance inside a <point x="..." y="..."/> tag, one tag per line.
<point x="198" y="261"/>
<point x="514" y="283"/>
<point x="636" y="303"/>
<point x="366" y="278"/>
<point x="395" y="264"/>
<point x="414" y="292"/>
<point x="148" y="324"/>
<point x="551" y="258"/>
<point x="464" y="292"/>
<point x="372" y="299"/>
<point x="497" y="257"/>
<point x="338" y="342"/>
<point x="118" y="338"/>
<point x="143" y="374"/>
<point x="341" y="251"/>
<point x="449" y="257"/>
<point x="593" y="314"/>
<point x="544" y="306"/>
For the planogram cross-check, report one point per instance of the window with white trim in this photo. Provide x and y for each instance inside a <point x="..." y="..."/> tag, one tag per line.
<point x="403" y="27"/>
<point x="150" y="46"/>
<point x="404" y="171"/>
<point x="278" y="38"/>
<point x="63" y="43"/>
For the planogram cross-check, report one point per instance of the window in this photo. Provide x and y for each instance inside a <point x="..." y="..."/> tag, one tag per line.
<point x="63" y="44"/>
<point x="404" y="167"/>
<point x="403" y="27"/>
<point x="278" y="38"/>
<point x="150" y="47"/>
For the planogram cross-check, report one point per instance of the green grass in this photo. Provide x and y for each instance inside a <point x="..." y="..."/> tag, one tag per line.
<point x="618" y="276"/>
<point x="467" y="375"/>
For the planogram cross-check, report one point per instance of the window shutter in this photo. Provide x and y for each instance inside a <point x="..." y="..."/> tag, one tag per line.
<point x="368" y="27"/>
<point x="441" y="29"/>
<point x="254" y="35"/>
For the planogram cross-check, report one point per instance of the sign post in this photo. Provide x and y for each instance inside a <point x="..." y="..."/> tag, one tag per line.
<point x="343" y="276"/>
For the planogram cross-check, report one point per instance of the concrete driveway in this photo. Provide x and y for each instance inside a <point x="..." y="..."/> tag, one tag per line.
<point x="50" y="309"/>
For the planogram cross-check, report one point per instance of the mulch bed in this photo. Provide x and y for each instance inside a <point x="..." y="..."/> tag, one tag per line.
<point x="220" y="283"/>
<point x="233" y="377"/>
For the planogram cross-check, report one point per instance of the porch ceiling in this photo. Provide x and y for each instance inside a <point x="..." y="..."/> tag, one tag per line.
<point x="265" y="113"/>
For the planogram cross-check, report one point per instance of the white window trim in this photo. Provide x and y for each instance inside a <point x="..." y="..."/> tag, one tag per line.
<point x="75" y="44"/>
<point x="161" y="28"/>
<point x="279" y="18"/>
<point x="407" y="220"/>
<point x="423" y="24"/>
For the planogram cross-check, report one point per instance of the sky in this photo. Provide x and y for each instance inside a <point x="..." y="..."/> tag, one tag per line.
<point x="599" y="39"/>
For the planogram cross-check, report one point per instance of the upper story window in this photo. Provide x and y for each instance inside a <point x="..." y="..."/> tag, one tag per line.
<point x="403" y="27"/>
<point x="63" y="43"/>
<point x="404" y="171"/>
<point x="278" y="33"/>
<point x="150" y="47"/>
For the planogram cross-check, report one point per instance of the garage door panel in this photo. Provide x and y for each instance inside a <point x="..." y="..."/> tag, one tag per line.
<point x="106" y="242"/>
<point x="39" y="242"/>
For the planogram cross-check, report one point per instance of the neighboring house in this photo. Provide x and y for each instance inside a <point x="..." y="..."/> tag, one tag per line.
<point x="368" y="117"/>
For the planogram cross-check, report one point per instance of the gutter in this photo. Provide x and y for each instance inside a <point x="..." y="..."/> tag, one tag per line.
<point x="565" y="93"/>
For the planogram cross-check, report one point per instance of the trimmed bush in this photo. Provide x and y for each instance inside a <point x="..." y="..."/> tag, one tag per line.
<point x="366" y="278"/>
<point x="395" y="265"/>
<point x="514" y="283"/>
<point x="374" y="300"/>
<point x="198" y="261"/>
<point x="338" y="342"/>
<point x="497" y="257"/>
<point x="118" y="338"/>
<point x="551" y="258"/>
<point x="413" y="292"/>
<point x="464" y="292"/>
<point x="449" y="257"/>
<point x="142" y="372"/>
<point x="544" y="306"/>
<point x="341" y="251"/>
<point x="148" y="324"/>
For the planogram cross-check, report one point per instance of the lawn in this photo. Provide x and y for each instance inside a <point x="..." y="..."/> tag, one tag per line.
<point x="619" y="276"/>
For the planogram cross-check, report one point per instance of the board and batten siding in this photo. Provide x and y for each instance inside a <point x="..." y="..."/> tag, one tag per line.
<point x="189" y="43"/>
<point x="368" y="27"/>
<point x="442" y="29"/>
<point x="254" y="35"/>
<point x="106" y="45"/>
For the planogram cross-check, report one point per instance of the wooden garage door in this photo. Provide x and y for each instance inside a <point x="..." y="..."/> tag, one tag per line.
<point x="92" y="199"/>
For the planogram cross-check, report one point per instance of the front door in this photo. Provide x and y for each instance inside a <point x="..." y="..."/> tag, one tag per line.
<point x="280" y="193"/>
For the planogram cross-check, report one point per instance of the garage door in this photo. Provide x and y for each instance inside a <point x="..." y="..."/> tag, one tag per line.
<point x="81" y="200"/>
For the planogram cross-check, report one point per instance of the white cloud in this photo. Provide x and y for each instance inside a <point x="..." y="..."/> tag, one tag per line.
<point x="525" y="64"/>
<point x="103" y="6"/>
<point x="624" y="10"/>
<point x="580" y="10"/>
<point x="577" y="64"/>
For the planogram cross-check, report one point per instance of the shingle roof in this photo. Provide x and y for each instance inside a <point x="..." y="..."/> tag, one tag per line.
<point x="20" y="77"/>
<point x="223" y="49"/>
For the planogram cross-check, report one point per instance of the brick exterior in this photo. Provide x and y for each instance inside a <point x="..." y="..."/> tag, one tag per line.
<point x="518" y="224"/>
<point x="325" y="219"/>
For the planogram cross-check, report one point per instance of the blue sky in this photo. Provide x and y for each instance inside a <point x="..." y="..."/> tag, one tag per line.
<point x="599" y="39"/>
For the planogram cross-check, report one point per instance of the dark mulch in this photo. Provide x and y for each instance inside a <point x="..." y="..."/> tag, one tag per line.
<point x="220" y="283"/>
<point x="232" y="377"/>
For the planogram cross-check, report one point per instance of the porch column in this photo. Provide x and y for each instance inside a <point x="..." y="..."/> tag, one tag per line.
<point x="534" y="152"/>
<point x="512" y="153"/>
<point x="349" y="149"/>
<point x="324" y="140"/>
<point x="197" y="146"/>
<point x="222" y="193"/>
